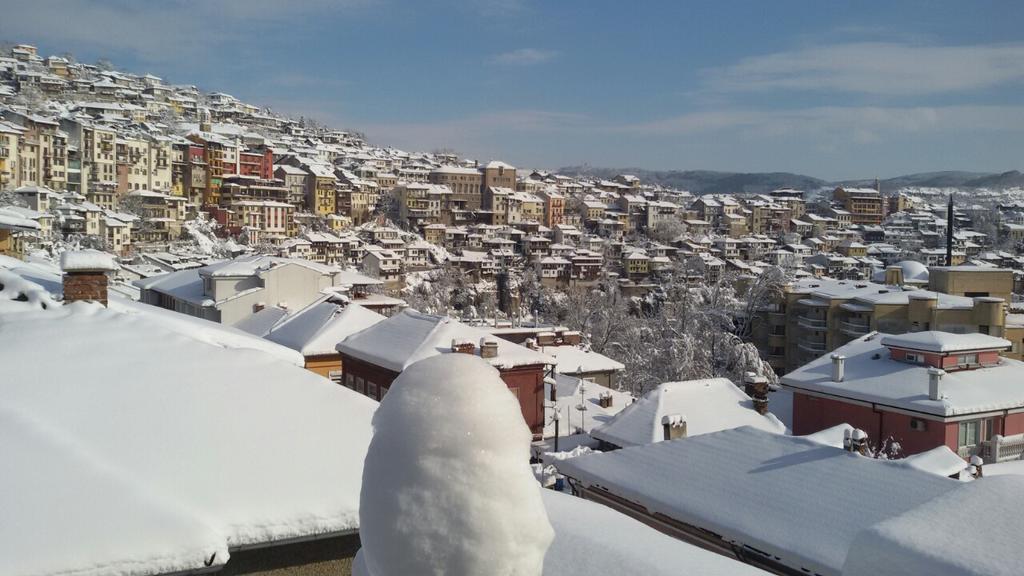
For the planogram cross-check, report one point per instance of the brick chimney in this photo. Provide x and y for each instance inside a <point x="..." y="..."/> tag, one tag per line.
<point x="605" y="400"/>
<point x="85" y="275"/>
<point x="674" y="426"/>
<point x="463" y="347"/>
<point x="488" y="348"/>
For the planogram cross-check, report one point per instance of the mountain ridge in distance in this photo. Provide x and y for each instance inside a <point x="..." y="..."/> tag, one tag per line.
<point x="714" y="182"/>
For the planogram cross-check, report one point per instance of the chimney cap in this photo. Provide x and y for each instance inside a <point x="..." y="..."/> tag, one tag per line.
<point x="838" y="356"/>
<point x="87" y="261"/>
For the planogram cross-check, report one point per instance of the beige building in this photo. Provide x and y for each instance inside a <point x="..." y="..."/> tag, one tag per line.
<point x="819" y="315"/>
<point x="10" y="137"/>
<point x="465" y="184"/>
<point x="865" y="205"/>
<point x="42" y="152"/>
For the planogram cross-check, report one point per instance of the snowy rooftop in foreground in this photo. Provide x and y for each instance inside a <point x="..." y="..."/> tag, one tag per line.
<point x="903" y="385"/>
<point x="706" y="405"/>
<point x="158" y="449"/>
<point x="973" y="531"/>
<point x="758" y="488"/>
<point x="593" y="539"/>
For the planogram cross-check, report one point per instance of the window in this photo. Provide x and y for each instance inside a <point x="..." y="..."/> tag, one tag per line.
<point x="371" y="389"/>
<point x="974" y="431"/>
<point x="915" y="358"/>
<point x="967" y="359"/>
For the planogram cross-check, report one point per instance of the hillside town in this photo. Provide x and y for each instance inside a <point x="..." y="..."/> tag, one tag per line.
<point x="204" y="302"/>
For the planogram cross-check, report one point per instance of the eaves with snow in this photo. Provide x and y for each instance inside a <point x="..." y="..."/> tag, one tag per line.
<point x="140" y="441"/>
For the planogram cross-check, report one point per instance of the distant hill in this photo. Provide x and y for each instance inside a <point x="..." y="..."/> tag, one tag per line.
<point x="946" y="179"/>
<point x="706" y="181"/>
<point x="710" y="182"/>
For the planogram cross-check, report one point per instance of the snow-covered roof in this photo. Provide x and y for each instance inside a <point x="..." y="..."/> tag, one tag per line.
<point x="571" y="395"/>
<point x="573" y="359"/>
<point x="87" y="260"/>
<point x="935" y="341"/>
<point x="410" y="336"/>
<point x="317" y="329"/>
<point x="872" y="376"/>
<point x="705" y="405"/>
<point x="939" y="460"/>
<point x="594" y="539"/>
<point x="971" y="531"/>
<point x="794" y="499"/>
<point x="167" y="446"/>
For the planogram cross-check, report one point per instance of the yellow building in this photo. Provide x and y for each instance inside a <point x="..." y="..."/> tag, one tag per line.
<point x="818" y="315"/>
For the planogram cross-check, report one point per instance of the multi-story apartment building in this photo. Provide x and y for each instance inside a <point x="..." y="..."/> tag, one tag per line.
<point x="865" y="205"/>
<point x="321" y="195"/>
<point x="554" y="206"/>
<point x="499" y="174"/>
<point x="10" y="138"/>
<point x="294" y="179"/>
<point x="417" y="205"/>
<point x="817" y="316"/>
<point x="43" y="152"/>
<point x="465" y="184"/>
<point x="208" y="162"/>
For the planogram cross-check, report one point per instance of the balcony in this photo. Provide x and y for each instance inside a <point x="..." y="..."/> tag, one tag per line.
<point x="812" y="322"/>
<point x="854" y="328"/>
<point x="816" y="348"/>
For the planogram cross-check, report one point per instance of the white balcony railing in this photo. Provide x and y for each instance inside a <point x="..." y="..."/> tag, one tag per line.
<point x="812" y="323"/>
<point x="854" y="328"/>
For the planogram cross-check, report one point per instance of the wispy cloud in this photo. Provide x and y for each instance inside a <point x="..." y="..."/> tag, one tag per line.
<point x="881" y="68"/>
<point x="163" y="31"/>
<point x="523" y="57"/>
<point x="859" y="124"/>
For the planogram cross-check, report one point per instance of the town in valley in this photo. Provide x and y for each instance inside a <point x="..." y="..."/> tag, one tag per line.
<point x="242" y="341"/>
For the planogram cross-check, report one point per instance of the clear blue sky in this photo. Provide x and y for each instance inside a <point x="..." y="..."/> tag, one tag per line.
<point x="830" y="89"/>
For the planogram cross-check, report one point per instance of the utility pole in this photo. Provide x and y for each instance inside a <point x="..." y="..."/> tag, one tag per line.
<point x="949" y="232"/>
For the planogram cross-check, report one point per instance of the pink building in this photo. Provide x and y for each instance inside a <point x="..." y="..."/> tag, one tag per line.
<point x="923" y="390"/>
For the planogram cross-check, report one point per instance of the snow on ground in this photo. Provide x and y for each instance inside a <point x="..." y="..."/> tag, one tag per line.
<point x="940" y="461"/>
<point x="220" y="446"/>
<point x="447" y="488"/>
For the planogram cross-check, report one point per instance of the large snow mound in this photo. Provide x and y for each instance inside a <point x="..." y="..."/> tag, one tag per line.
<point x="447" y="488"/>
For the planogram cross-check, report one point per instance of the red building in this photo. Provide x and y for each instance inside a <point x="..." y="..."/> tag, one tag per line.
<point x="256" y="162"/>
<point x="922" y="390"/>
<point x="374" y="357"/>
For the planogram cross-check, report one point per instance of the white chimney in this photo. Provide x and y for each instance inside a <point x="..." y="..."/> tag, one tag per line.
<point x="838" y="367"/>
<point x="935" y="383"/>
